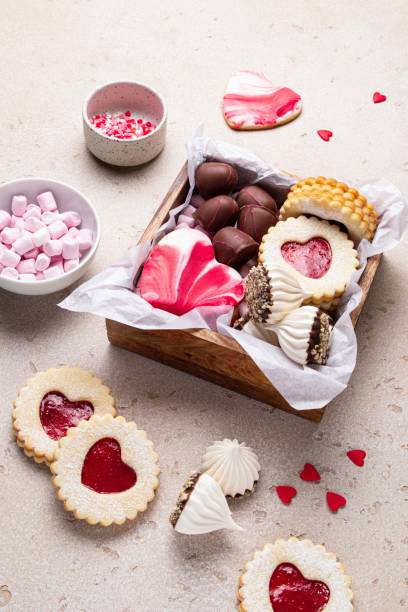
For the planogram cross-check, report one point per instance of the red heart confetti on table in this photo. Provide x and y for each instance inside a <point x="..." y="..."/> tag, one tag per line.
<point x="286" y="493"/>
<point x="335" y="501"/>
<point x="309" y="473"/>
<point x="103" y="469"/>
<point x="58" y="414"/>
<point x="378" y="97"/>
<point x="290" y="591"/>
<point x="357" y="456"/>
<point x="325" y="134"/>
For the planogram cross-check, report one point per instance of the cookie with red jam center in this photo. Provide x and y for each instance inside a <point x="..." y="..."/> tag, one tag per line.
<point x="294" y="576"/>
<point x="53" y="401"/>
<point x="105" y="470"/>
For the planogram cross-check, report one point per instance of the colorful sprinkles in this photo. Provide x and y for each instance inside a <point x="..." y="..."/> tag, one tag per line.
<point x="122" y="125"/>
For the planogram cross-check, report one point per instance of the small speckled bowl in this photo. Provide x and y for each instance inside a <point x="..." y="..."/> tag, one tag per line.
<point x="122" y="96"/>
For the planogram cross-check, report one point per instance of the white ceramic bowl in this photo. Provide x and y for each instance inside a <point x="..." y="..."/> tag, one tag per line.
<point x="67" y="198"/>
<point x="122" y="96"/>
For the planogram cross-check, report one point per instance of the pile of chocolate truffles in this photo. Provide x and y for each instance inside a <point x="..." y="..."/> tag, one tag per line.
<point x="234" y="220"/>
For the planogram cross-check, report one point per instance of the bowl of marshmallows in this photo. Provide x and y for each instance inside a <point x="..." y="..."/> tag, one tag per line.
<point x="49" y="233"/>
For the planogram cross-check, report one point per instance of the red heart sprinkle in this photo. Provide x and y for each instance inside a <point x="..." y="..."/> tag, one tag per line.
<point x="309" y="473"/>
<point x="325" y="134"/>
<point x="378" y="97"/>
<point x="335" y="501"/>
<point x="286" y="493"/>
<point x="357" y="456"/>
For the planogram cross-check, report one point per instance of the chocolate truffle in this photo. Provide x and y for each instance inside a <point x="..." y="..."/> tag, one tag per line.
<point x="196" y="200"/>
<point x="256" y="220"/>
<point x="255" y="196"/>
<point x="217" y="213"/>
<point x="215" y="178"/>
<point x="233" y="247"/>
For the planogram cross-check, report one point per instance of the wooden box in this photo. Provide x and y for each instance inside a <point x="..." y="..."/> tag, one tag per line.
<point x="208" y="354"/>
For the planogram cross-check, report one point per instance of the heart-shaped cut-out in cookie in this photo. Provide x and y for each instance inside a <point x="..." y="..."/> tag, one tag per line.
<point x="335" y="501"/>
<point x="181" y="273"/>
<point x="103" y="469"/>
<point x="290" y="591"/>
<point x="357" y="456"/>
<point x="309" y="473"/>
<point x="253" y="102"/>
<point x="312" y="258"/>
<point x="286" y="493"/>
<point x="58" y="413"/>
<point x="378" y="97"/>
<point x="325" y="134"/>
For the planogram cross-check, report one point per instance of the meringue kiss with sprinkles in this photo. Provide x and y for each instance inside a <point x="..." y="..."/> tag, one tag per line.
<point x="252" y="102"/>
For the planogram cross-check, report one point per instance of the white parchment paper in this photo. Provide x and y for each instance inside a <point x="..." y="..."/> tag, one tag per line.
<point x="109" y="293"/>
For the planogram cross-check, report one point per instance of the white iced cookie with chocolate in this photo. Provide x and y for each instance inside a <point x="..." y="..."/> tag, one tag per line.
<point x="233" y="465"/>
<point x="335" y="201"/>
<point x="305" y="335"/>
<point x="318" y="254"/>
<point x="201" y="507"/>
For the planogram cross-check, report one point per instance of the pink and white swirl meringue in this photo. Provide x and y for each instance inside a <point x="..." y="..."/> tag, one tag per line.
<point x="253" y="102"/>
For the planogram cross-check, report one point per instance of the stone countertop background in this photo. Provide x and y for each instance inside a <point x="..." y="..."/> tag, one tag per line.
<point x="336" y="55"/>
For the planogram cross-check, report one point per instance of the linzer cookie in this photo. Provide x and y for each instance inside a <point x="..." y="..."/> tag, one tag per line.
<point x="51" y="403"/>
<point x="201" y="507"/>
<point x="317" y="253"/>
<point x="105" y="470"/>
<point x="334" y="201"/>
<point x="292" y="576"/>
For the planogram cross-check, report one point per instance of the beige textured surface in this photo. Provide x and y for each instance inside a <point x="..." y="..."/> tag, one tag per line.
<point x="336" y="55"/>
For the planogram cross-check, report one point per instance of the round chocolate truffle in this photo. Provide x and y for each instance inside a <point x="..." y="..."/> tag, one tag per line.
<point x="255" y="196"/>
<point x="196" y="200"/>
<point x="233" y="247"/>
<point x="216" y="213"/>
<point x="256" y="220"/>
<point x="215" y="178"/>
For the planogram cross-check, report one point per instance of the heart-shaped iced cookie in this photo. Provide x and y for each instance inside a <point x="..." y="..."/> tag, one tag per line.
<point x="181" y="273"/>
<point x="53" y="401"/>
<point x="105" y="470"/>
<point x="294" y="576"/>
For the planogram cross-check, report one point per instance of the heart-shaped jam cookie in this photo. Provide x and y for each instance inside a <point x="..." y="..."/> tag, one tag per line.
<point x="103" y="469"/>
<point x="58" y="414"/>
<point x="290" y="591"/>
<point x="54" y="401"/>
<point x="294" y="576"/>
<point x="312" y="258"/>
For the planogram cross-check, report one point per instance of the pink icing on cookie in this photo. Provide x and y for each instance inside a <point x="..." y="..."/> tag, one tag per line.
<point x="251" y="102"/>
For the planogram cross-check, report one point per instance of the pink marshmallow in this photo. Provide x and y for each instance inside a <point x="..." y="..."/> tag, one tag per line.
<point x="73" y="232"/>
<point x="23" y="244"/>
<point x="41" y="236"/>
<point x="32" y="211"/>
<point x="47" y="201"/>
<point x="49" y="217"/>
<point x="1" y="267"/>
<point x="85" y="239"/>
<point x="71" y="218"/>
<point x="9" y="273"/>
<point x="33" y="224"/>
<point x="5" y="219"/>
<point x="19" y="205"/>
<point x="31" y="254"/>
<point x="57" y="229"/>
<point x="9" y="259"/>
<point x="39" y="276"/>
<point x="27" y="277"/>
<point x="52" y="272"/>
<point x="26" y="266"/>
<point x="17" y="222"/>
<point x="9" y="235"/>
<point x="70" y="248"/>
<point x="70" y="264"/>
<point x="52" y="247"/>
<point x="42" y="262"/>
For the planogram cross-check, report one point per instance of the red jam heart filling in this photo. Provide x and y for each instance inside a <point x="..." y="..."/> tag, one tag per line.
<point x="103" y="469"/>
<point x="311" y="258"/>
<point x="290" y="591"/>
<point x="58" y="414"/>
